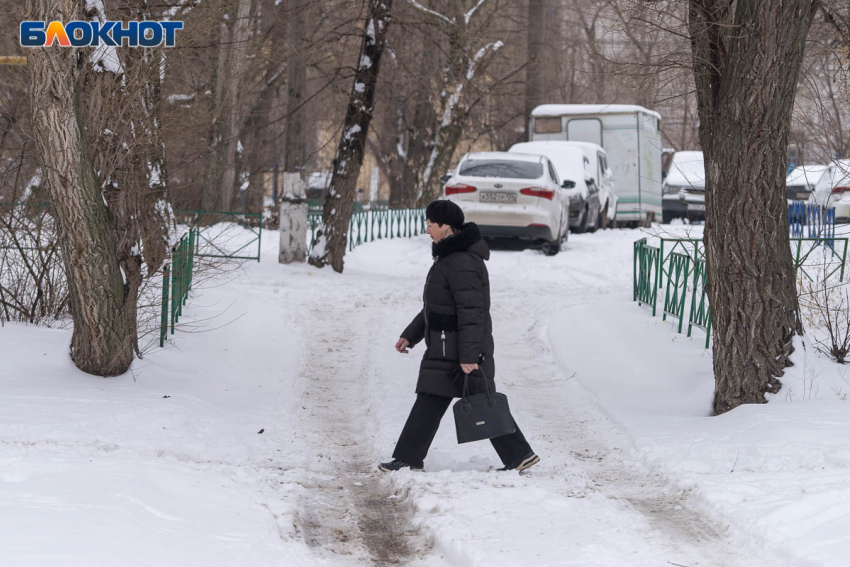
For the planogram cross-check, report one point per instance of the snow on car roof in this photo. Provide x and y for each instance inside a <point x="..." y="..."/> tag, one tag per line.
<point x="559" y="143"/>
<point x="687" y="168"/>
<point x="810" y="173"/>
<point x="575" y="109"/>
<point x="504" y="155"/>
<point x="685" y="157"/>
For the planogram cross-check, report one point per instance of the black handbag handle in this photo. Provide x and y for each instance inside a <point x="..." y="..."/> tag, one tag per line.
<point x="486" y="384"/>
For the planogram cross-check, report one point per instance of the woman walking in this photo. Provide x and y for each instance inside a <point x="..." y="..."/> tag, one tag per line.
<point x="455" y="324"/>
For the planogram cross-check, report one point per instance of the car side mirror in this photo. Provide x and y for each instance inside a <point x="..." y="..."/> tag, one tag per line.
<point x="567" y="184"/>
<point x="590" y="181"/>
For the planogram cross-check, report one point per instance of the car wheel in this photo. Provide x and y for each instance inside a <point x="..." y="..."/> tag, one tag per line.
<point x="552" y="247"/>
<point x="602" y="221"/>
<point x="582" y="226"/>
<point x="595" y="219"/>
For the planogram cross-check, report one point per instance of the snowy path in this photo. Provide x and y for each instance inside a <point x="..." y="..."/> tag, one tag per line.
<point x="347" y="506"/>
<point x="585" y="504"/>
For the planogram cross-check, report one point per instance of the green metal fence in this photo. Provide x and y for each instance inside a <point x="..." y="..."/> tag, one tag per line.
<point x="678" y="262"/>
<point x="691" y="247"/>
<point x="177" y="282"/>
<point x="803" y="249"/>
<point x="214" y="241"/>
<point x="650" y="268"/>
<point x="833" y="260"/>
<point x="700" y="315"/>
<point x="677" y="287"/>
<point x="646" y="270"/>
<point x="375" y="224"/>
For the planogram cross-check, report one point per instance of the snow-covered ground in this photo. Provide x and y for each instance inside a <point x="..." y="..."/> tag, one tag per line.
<point x="253" y="436"/>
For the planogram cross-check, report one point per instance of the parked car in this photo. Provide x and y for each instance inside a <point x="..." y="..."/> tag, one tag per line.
<point x="832" y="190"/>
<point x="801" y="182"/>
<point x="592" y="201"/>
<point x="683" y="190"/>
<point x="510" y="195"/>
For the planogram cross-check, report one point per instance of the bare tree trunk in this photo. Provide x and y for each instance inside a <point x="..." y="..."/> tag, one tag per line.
<point x="746" y="65"/>
<point x="220" y="178"/>
<point x="235" y="116"/>
<point x="211" y="191"/>
<point x="332" y="236"/>
<point x="534" y="83"/>
<point x="296" y="83"/>
<point x="102" y="341"/>
<point x="421" y="131"/>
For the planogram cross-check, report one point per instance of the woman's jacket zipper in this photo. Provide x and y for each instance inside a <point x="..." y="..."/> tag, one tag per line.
<point x="443" y="338"/>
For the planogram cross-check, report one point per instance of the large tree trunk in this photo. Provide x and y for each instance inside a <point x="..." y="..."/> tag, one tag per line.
<point x="296" y="83"/>
<point x="746" y="64"/>
<point x="121" y="111"/>
<point x="534" y="70"/>
<point x="102" y="340"/>
<point x="332" y="236"/>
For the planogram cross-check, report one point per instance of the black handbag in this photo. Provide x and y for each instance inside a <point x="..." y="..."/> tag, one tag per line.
<point x="482" y="416"/>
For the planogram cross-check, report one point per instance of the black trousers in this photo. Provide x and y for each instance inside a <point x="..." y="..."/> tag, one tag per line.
<point x="421" y="427"/>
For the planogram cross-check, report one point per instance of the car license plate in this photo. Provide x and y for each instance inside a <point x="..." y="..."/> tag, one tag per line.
<point x="696" y="207"/>
<point x="497" y="197"/>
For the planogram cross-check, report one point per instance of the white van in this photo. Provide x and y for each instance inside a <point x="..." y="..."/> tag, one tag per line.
<point x="631" y="137"/>
<point x="593" y="201"/>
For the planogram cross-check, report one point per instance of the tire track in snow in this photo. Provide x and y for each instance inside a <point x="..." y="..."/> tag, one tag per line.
<point x="348" y="511"/>
<point x="575" y="429"/>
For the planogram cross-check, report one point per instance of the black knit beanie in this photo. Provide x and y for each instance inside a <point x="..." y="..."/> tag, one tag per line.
<point x="445" y="212"/>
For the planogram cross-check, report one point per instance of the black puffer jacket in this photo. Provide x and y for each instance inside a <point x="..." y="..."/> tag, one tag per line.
<point x="455" y="321"/>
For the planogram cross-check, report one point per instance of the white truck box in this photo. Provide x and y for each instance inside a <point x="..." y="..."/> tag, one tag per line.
<point x="631" y="136"/>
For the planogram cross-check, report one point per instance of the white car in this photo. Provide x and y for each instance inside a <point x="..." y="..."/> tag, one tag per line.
<point x="592" y="201"/>
<point x="801" y="182"/>
<point x="833" y="190"/>
<point x="511" y="195"/>
<point x="683" y="190"/>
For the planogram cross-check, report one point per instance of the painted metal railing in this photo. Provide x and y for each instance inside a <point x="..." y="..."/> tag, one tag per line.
<point x="177" y="282"/>
<point x="649" y="278"/>
<point x="810" y="218"/>
<point x="677" y="287"/>
<point x="691" y="247"/>
<point x="375" y="224"/>
<point x="700" y="315"/>
<point x="680" y="261"/>
<point x="212" y="241"/>
<point x="833" y="260"/>
<point x="646" y="273"/>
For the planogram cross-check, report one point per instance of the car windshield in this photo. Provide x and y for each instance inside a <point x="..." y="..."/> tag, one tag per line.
<point x="501" y="168"/>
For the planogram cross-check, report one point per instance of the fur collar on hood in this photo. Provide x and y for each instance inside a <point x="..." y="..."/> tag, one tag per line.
<point x="468" y="239"/>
